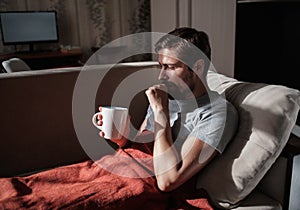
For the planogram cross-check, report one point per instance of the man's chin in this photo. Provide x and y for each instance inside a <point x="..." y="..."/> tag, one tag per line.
<point x="175" y="95"/>
<point x="173" y="91"/>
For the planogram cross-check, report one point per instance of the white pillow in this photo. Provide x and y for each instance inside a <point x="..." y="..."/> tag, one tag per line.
<point x="267" y="114"/>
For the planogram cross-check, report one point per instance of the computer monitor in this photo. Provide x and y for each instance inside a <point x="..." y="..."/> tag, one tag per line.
<point x="28" y="27"/>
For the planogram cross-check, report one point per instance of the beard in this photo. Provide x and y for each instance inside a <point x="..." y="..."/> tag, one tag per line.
<point x="174" y="92"/>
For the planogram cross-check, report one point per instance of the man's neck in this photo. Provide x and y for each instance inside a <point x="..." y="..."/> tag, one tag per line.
<point x="199" y="90"/>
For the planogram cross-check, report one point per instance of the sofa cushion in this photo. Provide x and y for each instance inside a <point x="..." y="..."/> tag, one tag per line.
<point x="267" y="114"/>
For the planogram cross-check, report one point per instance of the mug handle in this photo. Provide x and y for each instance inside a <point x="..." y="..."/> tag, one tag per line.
<point x="94" y="121"/>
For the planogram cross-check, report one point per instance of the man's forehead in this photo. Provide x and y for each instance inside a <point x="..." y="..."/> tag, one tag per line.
<point x="167" y="56"/>
<point x="164" y="59"/>
<point x="168" y="53"/>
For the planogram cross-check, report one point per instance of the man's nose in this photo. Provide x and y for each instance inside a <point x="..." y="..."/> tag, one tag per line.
<point x="162" y="74"/>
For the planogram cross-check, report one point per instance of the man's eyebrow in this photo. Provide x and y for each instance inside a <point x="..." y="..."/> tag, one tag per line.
<point x="170" y="64"/>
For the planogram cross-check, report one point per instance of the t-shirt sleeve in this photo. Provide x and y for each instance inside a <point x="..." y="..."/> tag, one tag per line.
<point x="217" y="127"/>
<point x="149" y="120"/>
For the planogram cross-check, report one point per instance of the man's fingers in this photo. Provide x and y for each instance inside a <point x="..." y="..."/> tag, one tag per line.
<point x="100" y="123"/>
<point x="99" y="116"/>
<point x="153" y="89"/>
<point x="149" y="92"/>
<point x="102" y="134"/>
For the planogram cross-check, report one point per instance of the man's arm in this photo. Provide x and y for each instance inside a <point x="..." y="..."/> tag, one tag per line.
<point x="172" y="168"/>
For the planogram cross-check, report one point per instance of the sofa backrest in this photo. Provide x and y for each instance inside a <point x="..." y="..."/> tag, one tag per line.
<point x="36" y="119"/>
<point x="267" y="114"/>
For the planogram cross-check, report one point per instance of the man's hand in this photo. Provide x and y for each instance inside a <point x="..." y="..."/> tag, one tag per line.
<point x="158" y="97"/>
<point x="121" y="142"/>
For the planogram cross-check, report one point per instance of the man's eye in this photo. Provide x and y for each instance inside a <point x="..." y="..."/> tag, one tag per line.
<point x="171" y="67"/>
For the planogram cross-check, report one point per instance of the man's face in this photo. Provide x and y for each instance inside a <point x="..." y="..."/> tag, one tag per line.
<point x="175" y="75"/>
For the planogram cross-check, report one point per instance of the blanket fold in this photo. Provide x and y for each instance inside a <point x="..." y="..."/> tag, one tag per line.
<point x="120" y="181"/>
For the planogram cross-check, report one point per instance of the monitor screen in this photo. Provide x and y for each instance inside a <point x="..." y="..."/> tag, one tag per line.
<point x="28" y="27"/>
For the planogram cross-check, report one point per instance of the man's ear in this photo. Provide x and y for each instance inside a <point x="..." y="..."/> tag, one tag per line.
<point x="199" y="67"/>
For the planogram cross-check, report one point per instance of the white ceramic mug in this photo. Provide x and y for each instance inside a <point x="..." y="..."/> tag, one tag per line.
<point x="114" y="121"/>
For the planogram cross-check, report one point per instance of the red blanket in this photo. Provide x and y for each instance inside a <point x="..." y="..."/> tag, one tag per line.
<point x="86" y="185"/>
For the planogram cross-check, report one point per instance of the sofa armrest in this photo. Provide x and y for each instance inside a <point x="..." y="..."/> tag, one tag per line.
<point x="282" y="181"/>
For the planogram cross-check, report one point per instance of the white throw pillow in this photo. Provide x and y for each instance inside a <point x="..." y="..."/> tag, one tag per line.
<point x="267" y="114"/>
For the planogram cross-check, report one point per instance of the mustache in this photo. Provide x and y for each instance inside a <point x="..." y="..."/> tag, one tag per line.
<point x="171" y="89"/>
<point x="168" y="84"/>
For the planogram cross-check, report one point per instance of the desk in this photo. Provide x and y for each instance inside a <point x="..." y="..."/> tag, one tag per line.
<point x="46" y="60"/>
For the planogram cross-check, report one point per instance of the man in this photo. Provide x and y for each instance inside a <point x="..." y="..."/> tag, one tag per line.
<point x="191" y="124"/>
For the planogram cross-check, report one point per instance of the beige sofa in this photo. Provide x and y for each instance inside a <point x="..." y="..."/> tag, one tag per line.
<point x="45" y="117"/>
